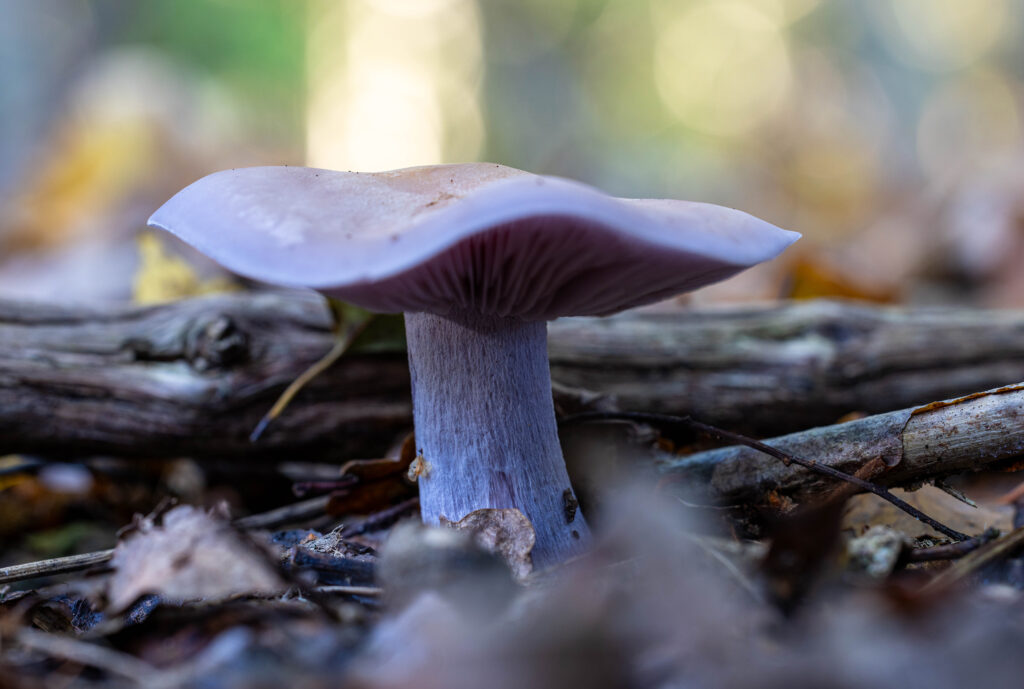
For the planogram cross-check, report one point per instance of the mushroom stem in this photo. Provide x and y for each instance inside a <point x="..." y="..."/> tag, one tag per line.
<point x="485" y="426"/>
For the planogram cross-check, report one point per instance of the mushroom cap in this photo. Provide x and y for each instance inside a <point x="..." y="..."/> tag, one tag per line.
<point x="473" y="236"/>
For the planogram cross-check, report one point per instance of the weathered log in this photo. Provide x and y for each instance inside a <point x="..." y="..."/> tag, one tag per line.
<point x="915" y="444"/>
<point x="190" y="379"/>
<point x="774" y="369"/>
<point x="194" y="377"/>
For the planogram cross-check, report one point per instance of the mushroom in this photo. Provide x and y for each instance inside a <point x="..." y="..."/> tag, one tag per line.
<point x="479" y="257"/>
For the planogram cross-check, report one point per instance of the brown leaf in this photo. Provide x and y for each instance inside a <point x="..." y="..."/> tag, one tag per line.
<point x="375" y="469"/>
<point x="192" y="555"/>
<point x="381" y="483"/>
<point x="868" y="510"/>
<point x="506" y="533"/>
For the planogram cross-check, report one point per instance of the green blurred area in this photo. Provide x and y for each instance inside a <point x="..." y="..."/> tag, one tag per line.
<point x="258" y="42"/>
<point x="255" y="47"/>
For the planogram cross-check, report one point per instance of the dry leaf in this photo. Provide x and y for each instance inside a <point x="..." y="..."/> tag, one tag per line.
<point x="192" y="555"/>
<point x="162" y="277"/>
<point x="506" y="533"/>
<point x="867" y="510"/>
<point x="381" y="483"/>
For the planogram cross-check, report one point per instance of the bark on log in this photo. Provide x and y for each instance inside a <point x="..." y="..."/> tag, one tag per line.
<point x="916" y="444"/>
<point x="769" y="370"/>
<point x="190" y="379"/>
<point x="194" y="377"/>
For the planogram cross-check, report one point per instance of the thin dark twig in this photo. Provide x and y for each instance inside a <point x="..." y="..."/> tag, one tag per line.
<point x="297" y="511"/>
<point x="382" y="519"/>
<point x="301" y="489"/>
<point x="971" y="563"/>
<point x="812" y="465"/>
<point x="952" y="551"/>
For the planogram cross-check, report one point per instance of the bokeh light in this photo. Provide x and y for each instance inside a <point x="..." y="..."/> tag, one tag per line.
<point x="722" y="67"/>
<point x="967" y="121"/>
<point x="942" y="34"/>
<point x="861" y="125"/>
<point x="389" y="84"/>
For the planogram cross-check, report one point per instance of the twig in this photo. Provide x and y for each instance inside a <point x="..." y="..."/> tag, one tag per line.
<point x="57" y="565"/>
<point x="90" y="654"/>
<point x="714" y="552"/>
<point x="301" y="489"/>
<point x="382" y="519"/>
<point x="75" y="563"/>
<point x="347" y="571"/>
<point x="350" y="590"/>
<point x="952" y="551"/>
<point x="283" y="515"/>
<point x="986" y="554"/>
<point x="661" y="420"/>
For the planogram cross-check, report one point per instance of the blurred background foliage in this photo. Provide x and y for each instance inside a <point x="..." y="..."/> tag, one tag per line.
<point x="888" y="132"/>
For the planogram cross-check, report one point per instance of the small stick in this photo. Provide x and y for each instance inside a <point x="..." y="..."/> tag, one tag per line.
<point x="75" y="563"/>
<point x="350" y="568"/>
<point x="382" y="519"/>
<point x="974" y="561"/>
<point x="90" y="654"/>
<point x="714" y="552"/>
<point x="301" y="489"/>
<point x="282" y="515"/>
<point x="350" y="590"/>
<point x="952" y="551"/>
<point x="57" y="565"/>
<point x="786" y="458"/>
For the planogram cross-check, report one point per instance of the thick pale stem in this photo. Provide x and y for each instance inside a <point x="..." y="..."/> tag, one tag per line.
<point x="485" y="426"/>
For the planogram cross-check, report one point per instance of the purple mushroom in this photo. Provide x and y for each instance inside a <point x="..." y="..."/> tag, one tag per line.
<point x="479" y="257"/>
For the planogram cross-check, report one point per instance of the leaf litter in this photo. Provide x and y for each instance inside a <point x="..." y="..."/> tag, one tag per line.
<point x="840" y="592"/>
<point x="189" y="600"/>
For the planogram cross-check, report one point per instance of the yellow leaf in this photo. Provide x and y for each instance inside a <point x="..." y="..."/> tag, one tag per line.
<point x="162" y="277"/>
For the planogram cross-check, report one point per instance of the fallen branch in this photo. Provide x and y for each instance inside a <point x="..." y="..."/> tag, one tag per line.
<point x="916" y="444"/>
<point x="780" y="368"/>
<point x="814" y="466"/>
<point x="372" y="591"/>
<point x="193" y="378"/>
<point x="382" y="519"/>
